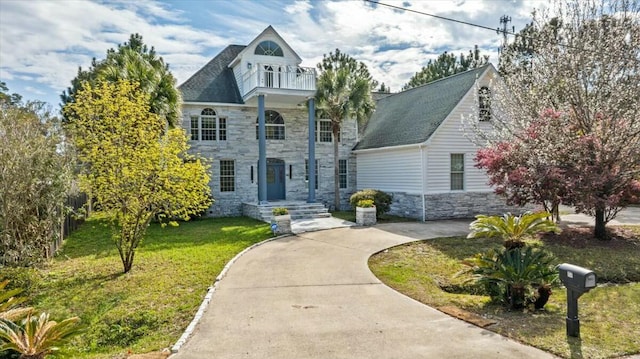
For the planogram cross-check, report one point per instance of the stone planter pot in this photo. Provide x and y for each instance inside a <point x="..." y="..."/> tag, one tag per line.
<point x="366" y="216"/>
<point x="284" y="224"/>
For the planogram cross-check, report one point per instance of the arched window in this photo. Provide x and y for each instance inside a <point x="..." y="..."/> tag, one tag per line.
<point x="268" y="48"/>
<point x="208" y="126"/>
<point x="484" y="102"/>
<point x="274" y="125"/>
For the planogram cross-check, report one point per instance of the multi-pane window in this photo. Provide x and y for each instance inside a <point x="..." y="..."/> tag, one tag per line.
<point x="484" y="103"/>
<point x="268" y="48"/>
<point x="274" y="126"/>
<point x="343" y="173"/>
<point x="208" y="126"/>
<point x="306" y="172"/>
<point x="324" y="132"/>
<point x="457" y="171"/>
<point x="227" y="176"/>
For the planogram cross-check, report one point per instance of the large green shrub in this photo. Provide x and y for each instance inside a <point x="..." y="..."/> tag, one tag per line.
<point x="513" y="276"/>
<point x="381" y="200"/>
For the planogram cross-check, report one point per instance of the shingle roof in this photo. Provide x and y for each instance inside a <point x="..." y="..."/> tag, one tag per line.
<point x="412" y="116"/>
<point x="215" y="81"/>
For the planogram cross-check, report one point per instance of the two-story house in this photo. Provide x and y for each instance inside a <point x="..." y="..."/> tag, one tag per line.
<point x="250" y="110"/>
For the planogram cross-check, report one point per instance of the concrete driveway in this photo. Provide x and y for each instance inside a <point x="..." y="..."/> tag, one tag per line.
<point x="313" y="296"/>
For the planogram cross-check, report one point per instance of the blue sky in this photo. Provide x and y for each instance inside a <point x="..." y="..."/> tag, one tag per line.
<point x="42" y="43"/>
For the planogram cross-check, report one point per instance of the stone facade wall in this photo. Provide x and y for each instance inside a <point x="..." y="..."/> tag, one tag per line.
<point x="241" y="146"/>
<point x="466" y="205"/>
<point x="451" y="205"/>
<point x="406" y="205"/>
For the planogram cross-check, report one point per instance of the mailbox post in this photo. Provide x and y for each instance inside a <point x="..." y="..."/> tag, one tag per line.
<point x="578" y="281"/>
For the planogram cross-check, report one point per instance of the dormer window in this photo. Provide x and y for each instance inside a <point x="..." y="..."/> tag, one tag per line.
<point x="269" y="48"/>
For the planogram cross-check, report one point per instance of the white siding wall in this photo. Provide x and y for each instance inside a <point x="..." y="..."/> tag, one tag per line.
<point x="449" y="138"/>
<point x="390" y="170"/>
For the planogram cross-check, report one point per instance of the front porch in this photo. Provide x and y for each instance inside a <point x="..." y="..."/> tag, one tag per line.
<point x="297" y="210"/>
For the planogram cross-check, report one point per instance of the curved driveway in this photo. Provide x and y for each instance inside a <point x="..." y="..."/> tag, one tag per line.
<point x="313" y="296"/>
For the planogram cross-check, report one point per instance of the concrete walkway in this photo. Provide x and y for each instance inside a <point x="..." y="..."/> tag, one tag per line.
<point x="313" y="296"/>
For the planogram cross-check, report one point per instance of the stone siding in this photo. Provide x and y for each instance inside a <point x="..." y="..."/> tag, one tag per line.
<point x="466" y="205"/>
<point x="451" y="205"/>
<point x="406" y="205"/>
<point x="241" y="146"/>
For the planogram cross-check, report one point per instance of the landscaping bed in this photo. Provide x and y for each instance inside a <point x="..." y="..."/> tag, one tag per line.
<point x="148" y="308"/>
<point x="431" y="271"/>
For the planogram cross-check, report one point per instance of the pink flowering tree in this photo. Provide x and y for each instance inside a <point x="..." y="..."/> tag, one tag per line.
<point x="566" y="122"/>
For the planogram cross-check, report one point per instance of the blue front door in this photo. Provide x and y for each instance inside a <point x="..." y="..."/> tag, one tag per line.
<point x="275" y="179"/>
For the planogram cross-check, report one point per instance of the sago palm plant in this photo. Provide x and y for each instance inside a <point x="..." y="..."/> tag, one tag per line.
<point x="512" y="229"/>
<point x="35" y="336"/>
<point x="511" y="274"/>
<point x="9" y="303"/>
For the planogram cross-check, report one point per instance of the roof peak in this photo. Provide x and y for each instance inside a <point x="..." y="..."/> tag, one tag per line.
<point x="483" y="67"/>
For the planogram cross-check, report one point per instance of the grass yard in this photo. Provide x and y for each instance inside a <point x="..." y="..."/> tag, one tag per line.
<point x="385" y="218"/>
<point x="429" y="271"/>
<point x="148" y="308"/>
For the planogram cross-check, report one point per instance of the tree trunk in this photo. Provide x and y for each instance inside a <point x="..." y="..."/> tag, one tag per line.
<point x="336" y="166"/>
<point x="600" y="230"/>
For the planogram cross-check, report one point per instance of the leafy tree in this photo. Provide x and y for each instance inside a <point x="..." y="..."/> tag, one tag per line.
<point x="134" y="168"/>
<point x="34" y="181"/>
<point x="446" y="65"/>
<point x="6" y="97"/>
<point x="135" y="62"/>
<point x="585" y="68"/>
<point x="343" y="91"/>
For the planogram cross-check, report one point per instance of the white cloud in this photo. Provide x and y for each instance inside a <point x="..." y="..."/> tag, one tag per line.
<point x="43" y="41"/>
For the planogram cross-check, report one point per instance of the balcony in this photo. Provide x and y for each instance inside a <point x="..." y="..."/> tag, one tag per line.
<point x="287" y="85"/>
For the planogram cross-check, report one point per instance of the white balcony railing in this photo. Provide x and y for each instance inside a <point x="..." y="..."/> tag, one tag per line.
<point x="279" y="77"/>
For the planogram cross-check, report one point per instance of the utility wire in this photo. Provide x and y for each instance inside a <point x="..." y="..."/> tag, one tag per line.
<point x="440" y="17"/>
<point x="498" y="30"/>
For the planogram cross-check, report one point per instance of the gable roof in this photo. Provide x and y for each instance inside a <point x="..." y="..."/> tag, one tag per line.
<point x="215" y="81"/>
<point x="258" y="39"/>
<point x="412" y="116"/>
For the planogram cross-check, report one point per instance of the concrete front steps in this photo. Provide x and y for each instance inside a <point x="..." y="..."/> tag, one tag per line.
<point x="297" y="210"/>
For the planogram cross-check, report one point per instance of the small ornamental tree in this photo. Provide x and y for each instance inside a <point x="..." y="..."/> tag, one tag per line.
<point x="133" y="167"/>
<point x="580" y="60"/>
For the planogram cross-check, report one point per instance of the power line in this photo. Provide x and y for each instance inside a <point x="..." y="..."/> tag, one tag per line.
<point x="504" y="31"/>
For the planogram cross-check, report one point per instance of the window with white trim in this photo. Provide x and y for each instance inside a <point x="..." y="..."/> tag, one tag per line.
<point x="457" y="171"/>
<point x="227" y="176"/>
<point x="324" y="131"/>
<point x="269" y="48"/>
<point x="484" y="103"/>
<point x="306" y="172"/>
<point x="274" y="126"/>
<point x="343" y="173"/>
<point x="208" y="126"/>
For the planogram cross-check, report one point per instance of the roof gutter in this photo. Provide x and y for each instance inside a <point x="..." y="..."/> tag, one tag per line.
<point x="390" y="148"/>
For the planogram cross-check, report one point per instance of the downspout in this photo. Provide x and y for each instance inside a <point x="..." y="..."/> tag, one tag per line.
<point x="424" y="184"/>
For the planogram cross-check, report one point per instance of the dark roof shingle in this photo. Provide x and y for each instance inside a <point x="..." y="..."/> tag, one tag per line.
<point x="412" y="116"/>
<point x="215" y="81"/>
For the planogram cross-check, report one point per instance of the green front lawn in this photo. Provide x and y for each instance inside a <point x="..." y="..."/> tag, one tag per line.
<point x="148" y="308"/>
<point x="429" y="271"/>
